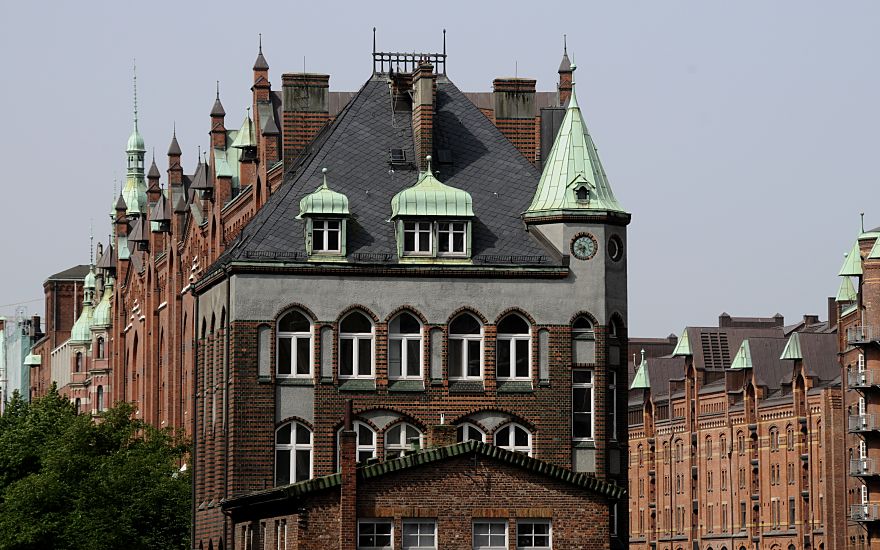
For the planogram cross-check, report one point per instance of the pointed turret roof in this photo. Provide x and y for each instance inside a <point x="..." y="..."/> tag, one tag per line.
<point x="120" y="203"/>
<point x="641" y="381"/>
<point x="846" y="292"/>
<point x="180" y="205"/>
<point x="565" y="65"/>
<point x="743" y="357"/>
<point x="852" y="265"/>
<point x="153" y="173"/>
<point x="217" y="109"/>
<point x="137" y="231"/>
<point x="160" y="211"/>
<point x="793" y="348"/>
<point x="260" y="64"/>
<point x="201" y="181"/>
<point x="245" y="136"/>
<point x="573" y="180"/>
<point x="683" y="347"/>
<point x="174" y="148"/>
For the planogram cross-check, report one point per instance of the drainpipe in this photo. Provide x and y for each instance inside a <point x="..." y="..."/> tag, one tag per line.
<point x="195" y="408"/>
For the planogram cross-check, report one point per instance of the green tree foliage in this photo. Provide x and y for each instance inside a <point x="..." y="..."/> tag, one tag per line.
<point x="67" y="482"/>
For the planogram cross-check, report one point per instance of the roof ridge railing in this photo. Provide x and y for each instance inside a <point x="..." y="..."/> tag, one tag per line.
<point x="407" y="62"/>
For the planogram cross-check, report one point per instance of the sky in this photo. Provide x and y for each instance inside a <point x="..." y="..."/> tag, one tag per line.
<point x="742" y="136"/>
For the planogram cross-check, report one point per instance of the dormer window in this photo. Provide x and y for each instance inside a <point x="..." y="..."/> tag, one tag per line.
<point x="417" y="238"/>
<point x="325" y="236"/>
<point x="582" y="194"/>
<point x="451" y="238"/>
<point x="326" y="213"/>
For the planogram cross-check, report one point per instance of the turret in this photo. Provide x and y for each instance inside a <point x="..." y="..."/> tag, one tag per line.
<point x="218" y="127"/>
<point x="135" y="190"/>
<point x="566" y="75"/>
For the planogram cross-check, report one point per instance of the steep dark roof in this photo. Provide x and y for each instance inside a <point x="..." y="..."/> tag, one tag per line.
<point x="260" y="64"/>
<point x="120" y="203"/>
<point x="820" y="355"/>
<point x="174" y="148"/>
<point x="217" y="109"/>
<point x="154" y="170"/>
<point x="355" y="149"/>
<point x="715" y="348"/>
<point x="426" y="457"/>
<point x="769" y="370"/>
<point x="108" y="258"/>
<point x="77" y="272"/>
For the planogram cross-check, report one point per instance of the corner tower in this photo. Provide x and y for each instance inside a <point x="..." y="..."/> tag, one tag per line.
<point x="135" y="190"/>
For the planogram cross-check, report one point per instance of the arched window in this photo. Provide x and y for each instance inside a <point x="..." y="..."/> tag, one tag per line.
<point x="514" y="345"/>
<point x="405" y="347"/>
<point x="99" y="348"/>
<point x="465" y="347"/>
<point x="582" y="329"/>
<point x="99" y="399"/>
<point x="76" y="405"/>
<point x="400" y="439"/>
<point x="740" y="443"/>
<point x="722" y="446"/>
<point x="470" y="432"/>
<point x="666" y="452"/>
<point x="774" y="439"/>
<point x="293" y="453"/>
<point x="356" y="346"/>
<point x="294" y="346"/>
<point x="640" y="454"/>
<point x="708" y="448"/>
<point x="789" y="438"/>
<point x="582" y="194"/>
<point x="514" y="437"/>
<point x="78" y="365"/>
<point x="366" y="441"/>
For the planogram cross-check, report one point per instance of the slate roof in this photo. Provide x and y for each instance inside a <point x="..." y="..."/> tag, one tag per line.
<point x="77" y="272"/>
<point x="355" y="150"/>
<point x="426" y="457"/>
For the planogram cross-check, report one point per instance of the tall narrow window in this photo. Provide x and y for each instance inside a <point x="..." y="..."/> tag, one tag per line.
<point x="100" y="399"/>
<point x="774" y="439"/>
<point x="789" y="438"/>
<point x="469" y="432"/>
<point x="356" y="346"/>
<point x="582" y="404"/>
<point x="400" y="439"/>
<point x="514" y="349"/>
<point x="294" y="346"/>
<point x="417" y="238"/>
<point x="325" y="235"/>
<point x="465" y="347"/>
<point x="100" y="348"/>
<point x="451" y="237"/>
<point x="78" y="362"/>
<point x="612" y="412"/>
<point x="514" y="437"/>
<point x="293" y="453"/>
<point x="405" y="347"/>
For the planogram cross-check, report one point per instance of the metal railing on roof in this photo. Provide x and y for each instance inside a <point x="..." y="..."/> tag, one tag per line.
<point x="862" y="467"/>
<point x="509" y="259"/>
<point x="863" y="423"/>
<point x="862" y="379"/>
<point x="403" y="62"/>
<point x="860" y="334"/>
<point x="865" y="512"/>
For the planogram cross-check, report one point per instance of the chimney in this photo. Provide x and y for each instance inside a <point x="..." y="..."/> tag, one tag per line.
<point x="306" y="109"/>
<point x="348" y="489"/>
<point x="832" y="311"/>
<point x="515" y="113"/>
<point x="810" y="320"/>
<point x="35" y="332"/>
<point x="442" y="435"/>
<point x="423" y="85"/>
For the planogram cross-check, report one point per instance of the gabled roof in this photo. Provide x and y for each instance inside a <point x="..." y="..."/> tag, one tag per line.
<point x="108" y="258"/>
<point x="642" y="380"/>
<point x="683" y="347"/>
<point x="426" y="458"/>
<point x="792" y="348"/>
<point x="355" y="148"/>
<point x="160" y="211"/>
<point x="75" y="273"/>
<point x="245" y="136"/>
<point x="852" y="265"/>
<point x="743" y="357"/>
<point x="847" y="292"/>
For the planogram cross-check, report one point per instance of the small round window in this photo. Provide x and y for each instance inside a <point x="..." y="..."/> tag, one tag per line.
<point x="615" y="248"/>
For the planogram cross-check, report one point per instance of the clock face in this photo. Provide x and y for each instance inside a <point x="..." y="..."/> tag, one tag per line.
<point x="584" y="247"/>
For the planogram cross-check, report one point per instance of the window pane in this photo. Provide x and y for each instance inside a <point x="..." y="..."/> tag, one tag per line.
<point x="464" y="324"/>
<point x="443" y="244"/>
<point x="284" y="359"/>
<point x="364" y="456"/>
<point x="365" y="357"/>
<point x="332" y="240"/>
<point x="424" y="241"/>
<point x="356" y="322"/>
<point x="455" y="358"/>
<point x="520" y="437"/>
<point x="522" y="358"/>
<point x="582" y="376"/>
<point x="409" y="242"/>
<point x="581" y="400"/>
<point x="294" y="322"/>
<point x="346" y="357"/>
<point x="365" y="435"/>
<point x="405" y="323"/>
<point x="303" y="460"/>
<point x="282" y="467"/>
<point x="282" y="436"/>
<point x="458" y="242"/>
<point x="503" y="362"/>
<point x="581" y="425"/>
<point x="332" y="224"/>
<point x="394" y="357"/>
<point x="513" y="324"/>
<point x="303" y="360"/>
<point x="473" y="358"/>
<point x="502" y="437"/>
<point x="303" y="435"/>
<point x="413" y="353"/>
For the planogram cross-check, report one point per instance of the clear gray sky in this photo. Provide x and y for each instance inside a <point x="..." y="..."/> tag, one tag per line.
<point x="742" y="136"/>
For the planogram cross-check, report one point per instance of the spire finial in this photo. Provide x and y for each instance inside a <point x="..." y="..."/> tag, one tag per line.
<point x="324" y="173"/>
<point x="174" y="129"/>
<point x="428" y="158"/>
<point x="444" y="41"/>
<point x="135" y="81"/>
<point x="218" y="90"/>
<point x="862" y="214"/>
<point x="564" y="44"/>
<point x="91" y="243"/>
<point x="643" y="355"/>
<point x="261" y="42"/>
<point x="374" y="39"/>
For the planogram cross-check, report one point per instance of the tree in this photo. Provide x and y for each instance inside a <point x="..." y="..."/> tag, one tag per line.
<point x="67" y="482"/>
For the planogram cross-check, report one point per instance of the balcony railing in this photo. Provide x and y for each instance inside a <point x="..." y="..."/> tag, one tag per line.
<point x="862" y="467"/>
<point x="863" y="379"/>
<point x="860" y="334"/>
<point x="862" y="423"/>
<point x="865" y="512"/>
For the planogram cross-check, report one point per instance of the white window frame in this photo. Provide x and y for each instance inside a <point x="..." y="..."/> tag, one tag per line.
<point x="375" y="521"/>
<point x="449" y="236"/>
<point x="418" y="231"/>
<point x="321" y="225"/>
<point x="404" y="338"/>
<point x="591" y="385"/>
<point x="489" y="522"/>
<point x="465" y="338"/>
<point x="511" y="340"/>
<point x="470" y="426"/>
<point x="359" y="448"/>
<point x="401" y="447"/>
<point x="356" y="338"/>
<point x="294" y="340"/>
<point x="418" y="522"/>
<point x="511" y="438"/>
<point x="292" y="448"/>
<point x="546" y="522"/>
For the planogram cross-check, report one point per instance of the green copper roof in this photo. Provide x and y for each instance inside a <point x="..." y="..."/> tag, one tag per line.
<point x="430" y="197"/>
<point x="641" y="381"/>
<point x="743" y="358"/>
<point x="846" y="292"/>
<point x="683" y="347"/>
<point x="852" y="265"/>
<point x="33" y="359"/>
<point x="573" y="164"/>
<point x="792" y="348"/>
<point x="323" y="201"/>
<point x="245" y="136"/>
<point x="875" y="251"/>
<point x="102" y="316"/>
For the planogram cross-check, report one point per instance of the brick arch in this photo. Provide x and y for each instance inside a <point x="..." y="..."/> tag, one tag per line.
<point x="295" y="418"/>
<point x="587" y="314"/>
<point x="356" y="416"/>
<point x="617" y="318"/>
<point x="357" y="307"/>
<point x="409" y="309"/>
<point x="294" y="305"/>
<point x="467" y="309"/>
<point x="514" y="417"/>
<point x="518" y="310"/>
<point x="406" y="419"/>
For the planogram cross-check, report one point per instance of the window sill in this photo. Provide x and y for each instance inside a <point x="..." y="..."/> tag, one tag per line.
<point x="466" y="386"/>
<point x="263" y="379"/>
<point x="358" y="385"/>
<point x="515" y="386"/>
<point x="406" y="386"/>
<point x="295" y="381"/>
<point x="583" y="444"/>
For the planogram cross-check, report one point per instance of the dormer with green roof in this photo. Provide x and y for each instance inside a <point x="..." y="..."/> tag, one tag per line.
<point x="792" y="348"/>
<point x="102" y="317"/>
<point x="81" y="333"/>
<point x="743" y="357"/>
<point x="432" y="220"/>
<point x="641" y="381"/>
<point x="846" y="293"/>
<point x="326" y="213"/>
<point x="852" y="263"/>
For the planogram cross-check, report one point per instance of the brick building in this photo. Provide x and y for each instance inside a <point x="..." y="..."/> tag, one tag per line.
<point x="736" y="439"/>
<point x="859" y="309"/>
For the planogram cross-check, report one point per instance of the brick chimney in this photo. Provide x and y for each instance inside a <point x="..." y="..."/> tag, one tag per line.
<point x="515" y="113"/>
<point x="306" y="109"/>
<point x="424" y="88"/>
<point x="442" y="435"/>
<point x="348" y="490"/>
<point x="832" y="311"/>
